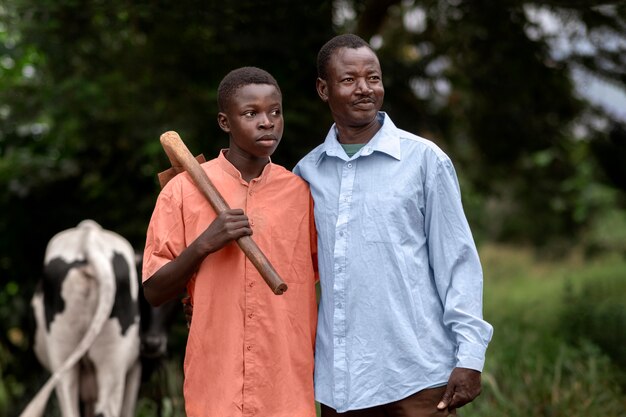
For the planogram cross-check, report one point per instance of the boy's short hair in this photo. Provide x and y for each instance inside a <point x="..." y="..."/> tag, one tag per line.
<point x="240" y="77"/>
<point x="347" y="40"/>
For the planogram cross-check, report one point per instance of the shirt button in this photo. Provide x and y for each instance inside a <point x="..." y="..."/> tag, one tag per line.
<point x="249" y="347"/>
<point x="251" y="284"/>
<point x="339" y="305"/>
<point x="349" y="165"/>
<point x="340" y="233"/>
<point x="251" y="222"/>
<point x="250" y="315"/>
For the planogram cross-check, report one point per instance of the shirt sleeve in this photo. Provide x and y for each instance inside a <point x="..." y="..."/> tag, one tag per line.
<point x="456" y="266"/>
<point x="165" y="238"/>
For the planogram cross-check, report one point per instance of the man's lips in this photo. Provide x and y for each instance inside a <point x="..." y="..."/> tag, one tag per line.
<point x="364" y="102"/>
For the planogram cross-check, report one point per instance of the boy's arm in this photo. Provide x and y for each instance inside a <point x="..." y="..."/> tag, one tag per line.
<point x="171" y="279"/>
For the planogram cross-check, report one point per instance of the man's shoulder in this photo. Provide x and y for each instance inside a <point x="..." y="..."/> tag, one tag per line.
<point x="427" y="147"/>
<point x="313" y="154"/>
<point x="309" y="161"/>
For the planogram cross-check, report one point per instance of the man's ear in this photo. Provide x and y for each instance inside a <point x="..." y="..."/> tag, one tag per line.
<point x="222" y="121"/>
<point x="322" y="89"/>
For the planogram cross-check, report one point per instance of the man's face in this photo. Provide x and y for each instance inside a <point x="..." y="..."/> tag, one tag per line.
<point x="354" y="89"/>
<point x="254" y="119"/>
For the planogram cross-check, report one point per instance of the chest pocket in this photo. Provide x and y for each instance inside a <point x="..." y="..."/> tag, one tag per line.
<point x="390" y="217"/>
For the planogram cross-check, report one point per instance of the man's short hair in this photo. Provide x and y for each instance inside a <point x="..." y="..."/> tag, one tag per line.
<point x="241" y="77"/>
<point x="340" y="41"/>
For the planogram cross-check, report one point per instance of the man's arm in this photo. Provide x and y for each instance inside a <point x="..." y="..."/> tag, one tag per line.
<point x="458" y="277"/>
<point x="171" y="279"/>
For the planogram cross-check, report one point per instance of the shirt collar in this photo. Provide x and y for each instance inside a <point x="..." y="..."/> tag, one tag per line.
<point x="386" y="140"/>
<point x="234" y="172"/>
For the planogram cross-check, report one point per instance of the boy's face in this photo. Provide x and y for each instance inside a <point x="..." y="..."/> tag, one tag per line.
<point x="253" y="118"/>
<point x="354" y="89"/>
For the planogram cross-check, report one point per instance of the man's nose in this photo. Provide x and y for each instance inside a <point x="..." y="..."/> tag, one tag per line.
<point x="363" y="86"/>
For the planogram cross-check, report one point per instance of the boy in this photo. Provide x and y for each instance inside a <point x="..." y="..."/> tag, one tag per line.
<point x="249" y="351"/>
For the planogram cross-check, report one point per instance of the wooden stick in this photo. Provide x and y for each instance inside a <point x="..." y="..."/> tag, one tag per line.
<point x="179" y="155"/>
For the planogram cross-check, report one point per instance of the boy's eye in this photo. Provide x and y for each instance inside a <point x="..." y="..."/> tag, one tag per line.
<point x="275" y="112"/>
<point x="250" y="113"/>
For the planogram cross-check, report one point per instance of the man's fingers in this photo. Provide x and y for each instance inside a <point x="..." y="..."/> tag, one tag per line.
<point x="447" y="397"/>
<point x="457" y="400"/>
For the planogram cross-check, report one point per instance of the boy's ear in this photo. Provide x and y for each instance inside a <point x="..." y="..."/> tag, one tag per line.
<point x="322" y="89"/>
<point x="222" y="121"/>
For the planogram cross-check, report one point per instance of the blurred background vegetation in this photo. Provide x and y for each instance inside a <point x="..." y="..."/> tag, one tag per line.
<point x="528" y="98"/>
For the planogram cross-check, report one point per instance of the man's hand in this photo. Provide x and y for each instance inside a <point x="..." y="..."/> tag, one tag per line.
<point x="463" y="386"/>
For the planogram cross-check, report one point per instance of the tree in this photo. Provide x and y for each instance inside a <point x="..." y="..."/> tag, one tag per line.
<point x="90" y="87"/>
<point x="489" y="83"/>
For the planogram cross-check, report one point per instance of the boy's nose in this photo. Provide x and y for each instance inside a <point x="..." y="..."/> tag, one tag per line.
<point x="266" y="122"/>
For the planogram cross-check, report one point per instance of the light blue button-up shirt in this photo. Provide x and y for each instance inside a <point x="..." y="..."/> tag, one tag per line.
<point x="401" y="280"/>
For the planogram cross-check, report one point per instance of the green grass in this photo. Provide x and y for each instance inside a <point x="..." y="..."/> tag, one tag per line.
<point x="532" y="367"/>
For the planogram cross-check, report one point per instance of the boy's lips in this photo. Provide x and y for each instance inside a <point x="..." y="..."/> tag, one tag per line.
<point x="267" y="139"/>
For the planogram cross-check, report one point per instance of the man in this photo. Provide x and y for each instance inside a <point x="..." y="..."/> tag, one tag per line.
<point x="400" y="328"/>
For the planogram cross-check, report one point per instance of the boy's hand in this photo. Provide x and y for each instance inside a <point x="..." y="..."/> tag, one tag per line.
<point x="228" y="226"/>
<point x="187" y="309"/>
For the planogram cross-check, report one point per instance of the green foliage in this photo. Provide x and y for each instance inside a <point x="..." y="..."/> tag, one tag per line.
<point x="162" y="394"/>
<point x="533" y="368"/>
<point x="483" y="80"/>
<point x="596" y="312"/>
<point x="530" y="379"/>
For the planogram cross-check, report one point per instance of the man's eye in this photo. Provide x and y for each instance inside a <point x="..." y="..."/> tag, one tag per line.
<point x="348" y="80"/>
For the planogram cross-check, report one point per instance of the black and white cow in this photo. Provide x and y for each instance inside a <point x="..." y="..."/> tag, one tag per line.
<point x="87" y="324"/>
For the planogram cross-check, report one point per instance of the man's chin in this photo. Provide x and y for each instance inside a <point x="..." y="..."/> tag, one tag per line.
<point x="364" y="118"/>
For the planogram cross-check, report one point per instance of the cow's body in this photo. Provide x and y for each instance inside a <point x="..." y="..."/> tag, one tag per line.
<point x="87" y="323"/>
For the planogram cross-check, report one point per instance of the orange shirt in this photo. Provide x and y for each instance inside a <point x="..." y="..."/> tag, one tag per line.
<point x="249" y="351"/>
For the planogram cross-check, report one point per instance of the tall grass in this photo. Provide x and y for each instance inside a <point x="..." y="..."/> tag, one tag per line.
<point x="533" y="368"/>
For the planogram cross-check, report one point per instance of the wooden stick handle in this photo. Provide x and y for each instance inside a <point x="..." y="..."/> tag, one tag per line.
<point x="179" y="155"/>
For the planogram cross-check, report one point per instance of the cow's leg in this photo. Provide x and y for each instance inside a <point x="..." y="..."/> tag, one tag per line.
<point x="111" y="382"/>
<point x="133" y="380"/>
<point x="67" y="393"/>
<point x="114" y="353"/>
<point x="61" y="342"/>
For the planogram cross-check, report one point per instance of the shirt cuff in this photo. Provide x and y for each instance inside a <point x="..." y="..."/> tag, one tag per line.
<point x="471" y="356"/>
